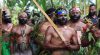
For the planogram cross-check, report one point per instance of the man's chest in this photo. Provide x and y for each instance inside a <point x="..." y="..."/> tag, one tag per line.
<point x="66" y="34"/>
<point x="22" y="31"/>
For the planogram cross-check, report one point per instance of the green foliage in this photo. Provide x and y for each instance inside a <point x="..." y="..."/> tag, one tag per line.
<point x="11" y="3"/>
<point x="98" y="44"/>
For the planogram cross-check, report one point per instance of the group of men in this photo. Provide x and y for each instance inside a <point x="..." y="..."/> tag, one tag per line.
<point x="16" y="39"/>
<point x="71" y="30"/>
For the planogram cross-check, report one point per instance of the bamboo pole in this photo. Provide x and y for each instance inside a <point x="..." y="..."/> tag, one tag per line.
<point x="48" y="18"/>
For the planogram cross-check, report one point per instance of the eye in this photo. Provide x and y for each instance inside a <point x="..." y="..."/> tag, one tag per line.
<point x="77" y="12"/>
<point x="65" y="15"/>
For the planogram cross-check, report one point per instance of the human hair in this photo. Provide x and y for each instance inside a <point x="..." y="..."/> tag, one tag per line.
<point x="92" y="5"/>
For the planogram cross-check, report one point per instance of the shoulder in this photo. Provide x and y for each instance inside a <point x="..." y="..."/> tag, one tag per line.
<point x="41" y="24"/>
<point x="82" y="24"/>
<point x="15" y="28"/>
<point x="10" y="24"/>
<point x="50" y="29"/>
<point x="71" y="29"/>
<point x="44" y="26"/>
<point x="29" y="27"/>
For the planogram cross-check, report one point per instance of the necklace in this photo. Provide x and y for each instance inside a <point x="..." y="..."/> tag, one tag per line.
<point x="23" y="31"/>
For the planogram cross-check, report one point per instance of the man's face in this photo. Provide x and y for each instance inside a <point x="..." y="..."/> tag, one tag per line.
<point x="23" y="19"/>
<point x="23" y="16"/>
<point x="75" y="14"/>
<point x="92" y="9"/>
<point x="52" y="15"/>
<point x="61" y="19"/>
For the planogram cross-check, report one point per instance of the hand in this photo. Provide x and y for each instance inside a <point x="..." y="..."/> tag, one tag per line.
<point x="67" y="43"/>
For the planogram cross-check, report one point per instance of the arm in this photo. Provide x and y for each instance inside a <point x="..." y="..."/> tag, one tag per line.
<point x="9" y="28"/>
<point x="74" y="45"/>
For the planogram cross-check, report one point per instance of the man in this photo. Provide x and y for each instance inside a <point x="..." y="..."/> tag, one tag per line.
<point x="76" y="23"/>
<point x="53" y="41"/>
<point x="92" y="16"/>
<point x="92" y="19"/>
<point x="96" y="34"/>
<point x="21" y="39"/>
<point x="42" y="28"/>
<point x="96" y="30"/>
<point x="44" y="25"/>
<point x="75" y="19"/>
<point x="7" y="25"/>
<point x="6" y="30"/>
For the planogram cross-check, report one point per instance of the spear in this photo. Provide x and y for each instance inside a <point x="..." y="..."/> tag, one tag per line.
<point x="48" y="18"/>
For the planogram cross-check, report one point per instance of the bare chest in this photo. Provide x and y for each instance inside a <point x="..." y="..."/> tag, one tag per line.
<point x="67" y="34"/>
<point x="22" y="31"/>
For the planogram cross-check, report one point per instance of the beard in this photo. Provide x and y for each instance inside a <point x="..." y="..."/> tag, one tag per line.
<point x="22" y="21"/>
<point x="60" y="21"/>
<point x="6" y="20"/>
<point x="74" y="18"/>
<point x="92" y="13"/>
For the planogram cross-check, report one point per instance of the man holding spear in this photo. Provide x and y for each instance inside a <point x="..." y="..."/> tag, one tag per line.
<point x="52" y="39"/>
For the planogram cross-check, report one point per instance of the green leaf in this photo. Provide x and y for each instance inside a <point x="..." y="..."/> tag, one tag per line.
<point x="11" y="3"/>
<point x="98" y="44"/>
<point x="24" y="2"/>
<point x="42" y="3"/>
<point x="90" y="37"/>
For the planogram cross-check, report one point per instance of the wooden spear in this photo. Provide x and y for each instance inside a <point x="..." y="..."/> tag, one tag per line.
<point x="48" y="18"/>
